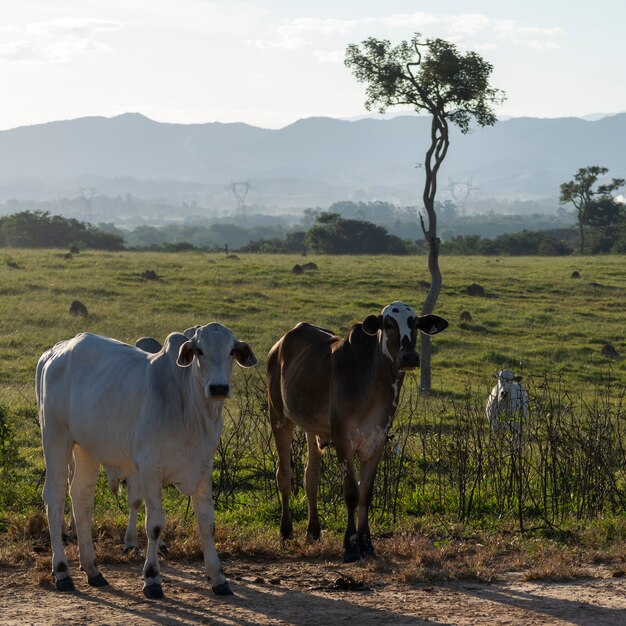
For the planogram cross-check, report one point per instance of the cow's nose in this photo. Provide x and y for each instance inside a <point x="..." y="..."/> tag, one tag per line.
<point x="221" y="391"/>
<point x="409" y="360"/>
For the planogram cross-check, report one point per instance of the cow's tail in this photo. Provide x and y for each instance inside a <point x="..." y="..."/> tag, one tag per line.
<point x="39" y="377"/>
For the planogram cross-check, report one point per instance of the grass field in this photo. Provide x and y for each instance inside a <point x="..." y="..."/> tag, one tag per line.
<point x="534" y="319"/>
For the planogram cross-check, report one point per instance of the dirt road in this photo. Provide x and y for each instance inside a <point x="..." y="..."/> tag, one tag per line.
<point x="306" y="593"/>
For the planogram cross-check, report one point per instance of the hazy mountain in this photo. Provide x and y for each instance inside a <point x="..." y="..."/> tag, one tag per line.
<point x="312" y="162"/>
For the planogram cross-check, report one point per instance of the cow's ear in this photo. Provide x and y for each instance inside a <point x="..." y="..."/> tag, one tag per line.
<point x="186" y="354"/>
<point x="243" y="354"/>
<point x="190" y="332"/>
<point x="372" y="324"/>
<point x="431" y="324"/>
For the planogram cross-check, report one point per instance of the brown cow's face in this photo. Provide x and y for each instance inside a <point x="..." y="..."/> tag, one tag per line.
<point x="399" y="334"/>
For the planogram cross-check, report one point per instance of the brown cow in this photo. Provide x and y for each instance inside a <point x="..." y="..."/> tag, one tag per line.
<point x="342" y="390"/>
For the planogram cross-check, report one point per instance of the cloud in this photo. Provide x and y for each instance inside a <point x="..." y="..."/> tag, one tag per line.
<point x="291" y="34"/>
<point x="463" y="28"/>
<point x="542" y="45"/>
<point x="55" y="40"/>
<point x="330" y="56"/>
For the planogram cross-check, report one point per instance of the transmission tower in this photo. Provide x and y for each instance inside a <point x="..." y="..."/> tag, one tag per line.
<point x="87" y="194"/>
<point x="460" y="192"/>
<point x="240" y="191"/>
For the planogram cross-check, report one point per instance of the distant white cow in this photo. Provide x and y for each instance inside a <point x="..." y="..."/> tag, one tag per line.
<point x="507" y="405"/>
<point x="158" y="416"/>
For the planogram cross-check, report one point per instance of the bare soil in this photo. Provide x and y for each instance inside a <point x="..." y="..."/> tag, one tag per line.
<point x="309" y="593"/>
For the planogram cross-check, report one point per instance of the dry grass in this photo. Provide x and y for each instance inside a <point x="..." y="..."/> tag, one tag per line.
<point x="404" y="556"/>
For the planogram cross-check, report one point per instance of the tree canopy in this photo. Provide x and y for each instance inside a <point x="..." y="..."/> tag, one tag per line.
<point x="594" y="204"/>
<point x="442" y="82"/>
<point x="332" y="234"/>
<point x="39" y="229"/>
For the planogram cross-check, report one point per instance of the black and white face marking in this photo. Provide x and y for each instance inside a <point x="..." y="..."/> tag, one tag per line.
<point x="399" y="317"/>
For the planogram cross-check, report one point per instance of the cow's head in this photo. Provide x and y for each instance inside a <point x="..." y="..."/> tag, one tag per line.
<point x="398" y="324"/>
<point x="214" y="348"/>
<point x="505" y="378"/>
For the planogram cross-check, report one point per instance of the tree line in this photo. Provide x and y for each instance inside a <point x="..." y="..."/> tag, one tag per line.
<point x="39" y="229"/>
<point x="328" y="232"/>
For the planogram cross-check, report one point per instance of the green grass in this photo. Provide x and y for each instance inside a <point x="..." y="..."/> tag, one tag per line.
<point x="535" y="318"/>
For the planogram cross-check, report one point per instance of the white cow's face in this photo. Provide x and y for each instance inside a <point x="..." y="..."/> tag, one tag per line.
<point x="505" y="379"/>
<point x="213" y="348"/>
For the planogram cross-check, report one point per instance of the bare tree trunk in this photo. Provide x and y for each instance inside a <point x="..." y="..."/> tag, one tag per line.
<point x="427" y="307"/>
<point x="582" y="232"/>
<point x="436" y="152"/>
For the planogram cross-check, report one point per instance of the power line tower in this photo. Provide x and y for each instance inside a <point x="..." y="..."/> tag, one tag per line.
<point x="460" y="192"/>
<point x="240" y="191"/>
<point x="87" y="194"/>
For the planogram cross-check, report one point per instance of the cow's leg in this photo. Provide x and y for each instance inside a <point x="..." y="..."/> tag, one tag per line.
<point x="283" y="431"/>
<point x="345" y="456"/>
<point x="311" y="485"/>
<point x="69" y="532"/>
<point x="203" y="508"/>
<point x="366" y="489"/>
<point x="155" y="522"/>
<point x="82" y="491"/>
<point x="57" y="449"/>
<point x="133" y="492"/>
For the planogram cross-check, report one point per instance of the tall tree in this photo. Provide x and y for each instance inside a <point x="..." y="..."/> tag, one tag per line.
<point x="432" y="77"/>
<point x="583" y="196"/>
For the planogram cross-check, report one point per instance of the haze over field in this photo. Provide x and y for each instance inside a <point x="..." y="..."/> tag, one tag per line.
<point x="313" y="162"/>
<point x="258" y="92"/>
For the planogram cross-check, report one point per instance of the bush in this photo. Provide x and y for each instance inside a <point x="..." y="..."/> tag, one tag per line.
<point x="39" y="229"/>
<point x="526" y="242"/>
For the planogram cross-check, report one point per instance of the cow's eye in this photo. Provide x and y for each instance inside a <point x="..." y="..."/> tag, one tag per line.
<point x="199" y="352"/>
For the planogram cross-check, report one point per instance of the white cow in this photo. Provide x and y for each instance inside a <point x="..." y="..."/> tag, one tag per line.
<point x="507" y="405"/>
<point x="158" y="416"/>
<point x="133" y="490"/>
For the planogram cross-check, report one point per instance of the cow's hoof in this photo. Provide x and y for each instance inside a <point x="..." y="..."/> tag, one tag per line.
<point x="286" y="532"/>
<point x="132" y="550"/>
<point x="65" y="584"/>
<point x="368" y="551"/>
<point x="223" y="590"/>
<point x="163" y="549"/>
<point x="313" y="534"/>
<point x="352" y="556"/>
<point x="97" y="581"/>
<point x="153" y="591"/>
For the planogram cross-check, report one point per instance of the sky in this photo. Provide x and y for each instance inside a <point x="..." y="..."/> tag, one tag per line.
<point x="269" y="63"/>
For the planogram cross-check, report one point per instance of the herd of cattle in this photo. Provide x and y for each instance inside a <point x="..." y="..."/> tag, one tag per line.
<point x="152" y="414"/>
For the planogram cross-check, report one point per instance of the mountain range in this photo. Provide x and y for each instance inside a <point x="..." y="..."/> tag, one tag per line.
<point x="312" y="162"/>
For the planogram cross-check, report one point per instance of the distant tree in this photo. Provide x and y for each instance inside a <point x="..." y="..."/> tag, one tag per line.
<point x="39" y="229"/>
<point x="293" y="243"/>
<point x="450" y="87"/>
<point x="526" y="242"/>
<point x="332" y="234"/>
<point x="581" y="193"/>
<point x="606" y="220"/>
